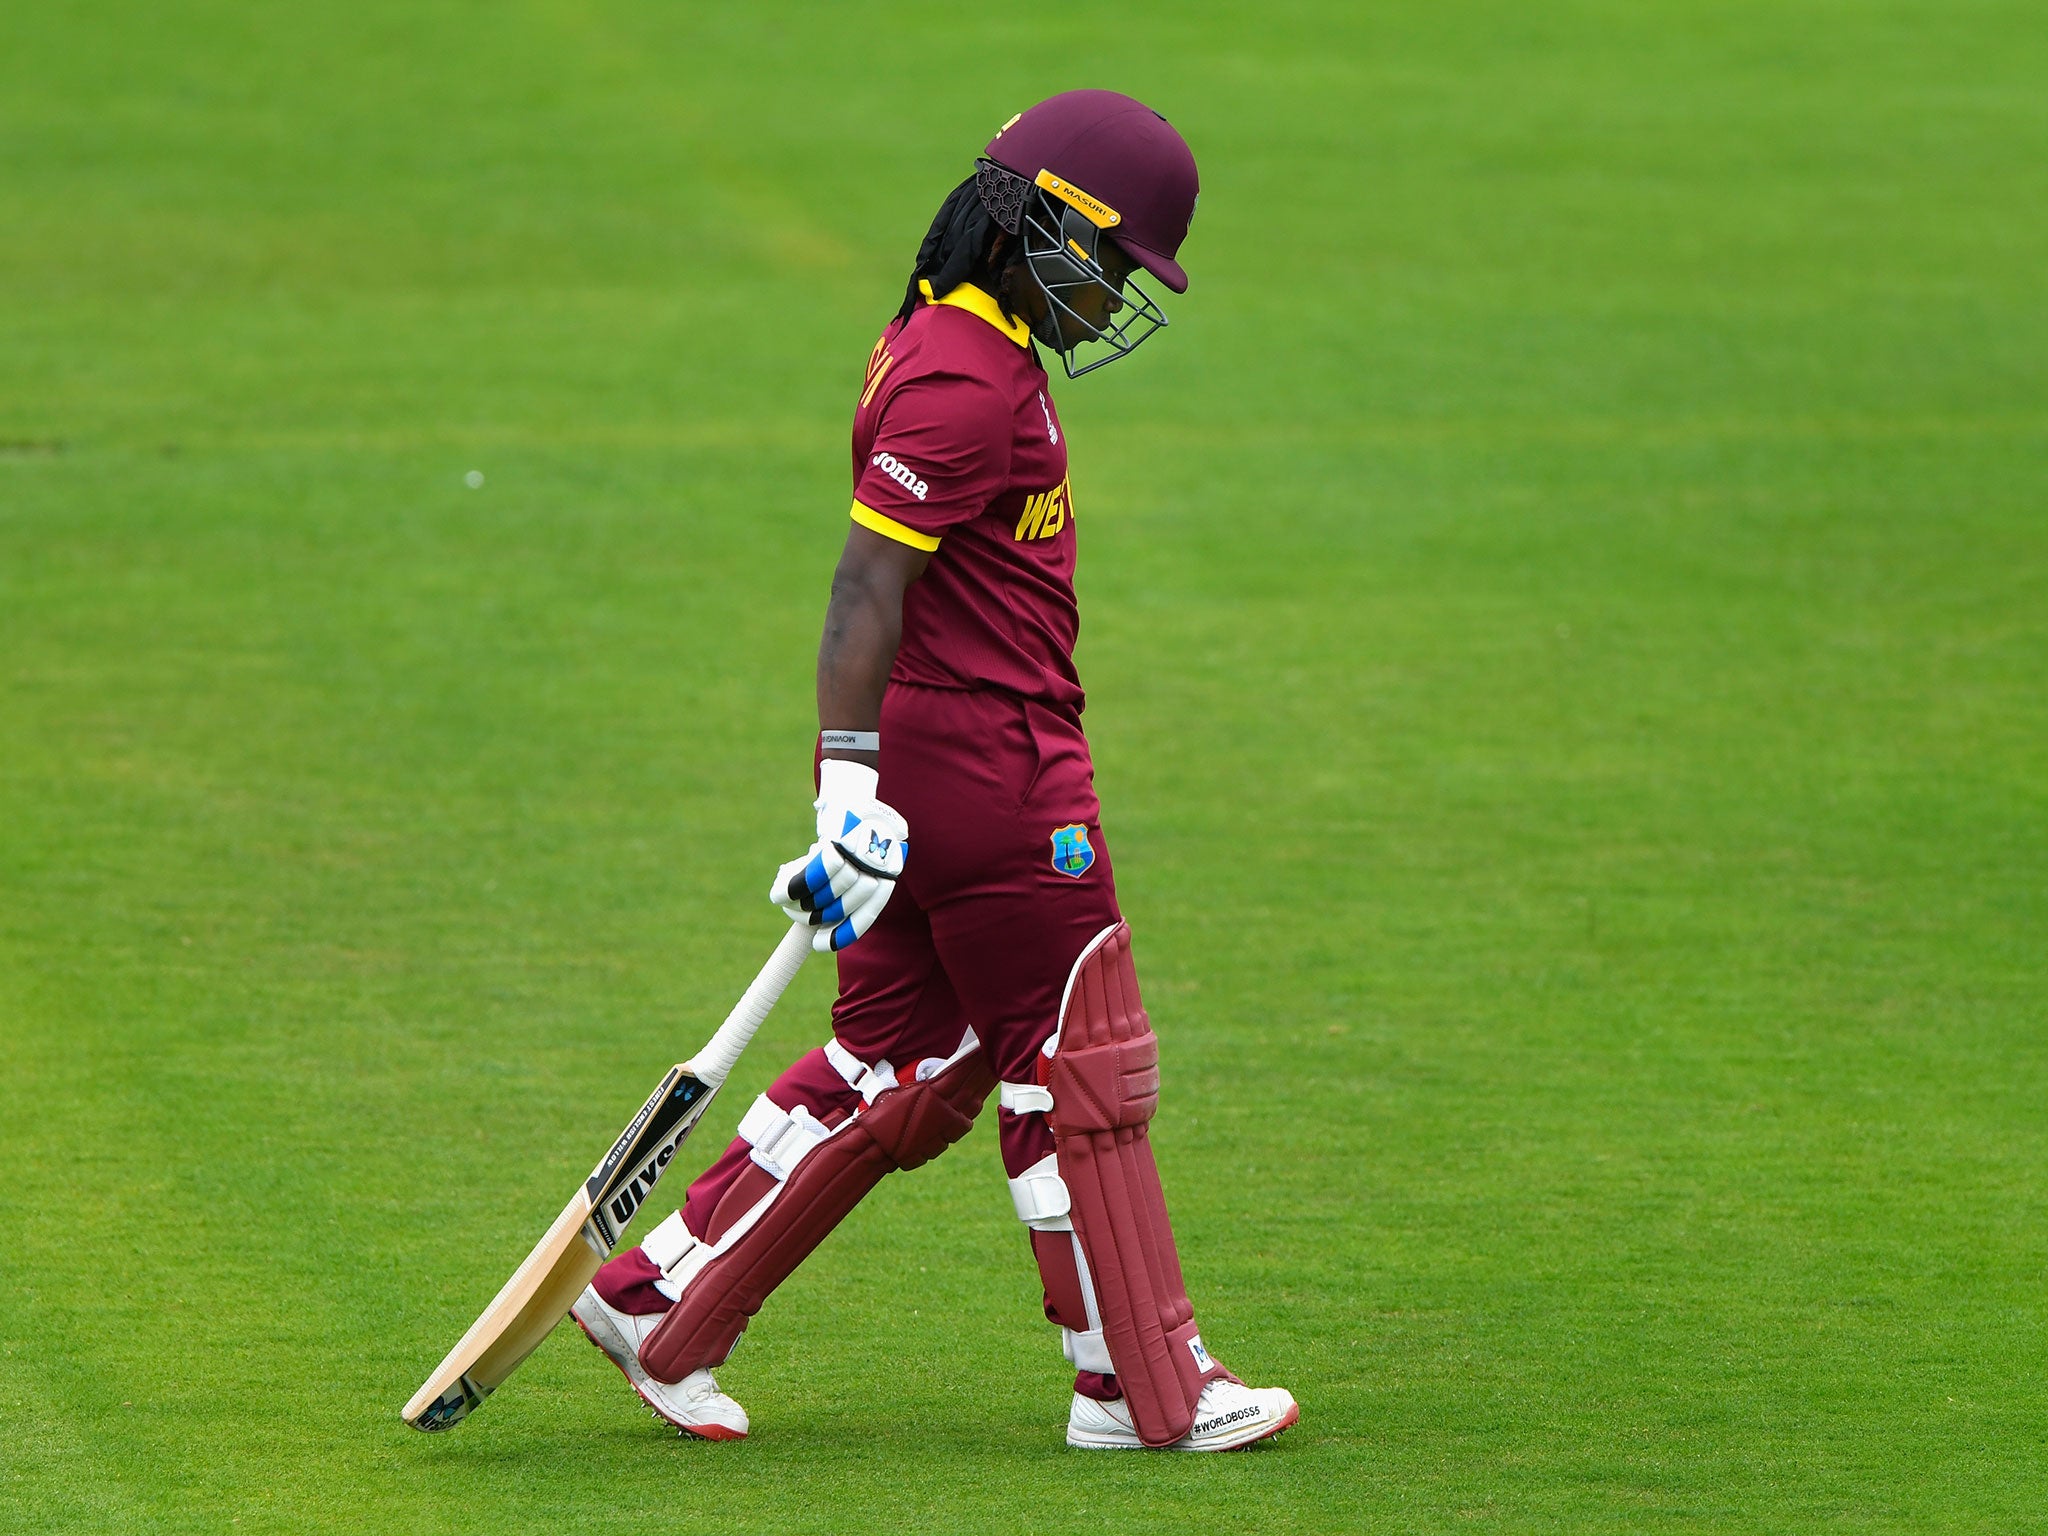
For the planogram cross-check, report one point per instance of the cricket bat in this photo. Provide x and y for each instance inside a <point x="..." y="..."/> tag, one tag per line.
<point x="542" y="1289"/>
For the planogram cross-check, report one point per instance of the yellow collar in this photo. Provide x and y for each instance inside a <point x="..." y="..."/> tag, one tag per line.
<point x="975" y="302"/>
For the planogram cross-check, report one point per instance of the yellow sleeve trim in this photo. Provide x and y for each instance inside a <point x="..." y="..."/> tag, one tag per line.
<point x="889" y="528"/>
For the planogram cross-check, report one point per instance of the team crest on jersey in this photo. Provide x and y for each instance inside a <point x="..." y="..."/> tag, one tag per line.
<point x="1072" y="853"/>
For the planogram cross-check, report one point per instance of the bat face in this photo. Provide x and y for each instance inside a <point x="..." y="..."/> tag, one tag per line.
<point x="642" y="1153"/>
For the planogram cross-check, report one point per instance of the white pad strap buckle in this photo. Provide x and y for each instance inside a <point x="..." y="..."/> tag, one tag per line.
<point x="667" y="1246"/>
<point x="1024" y="1098"/>
<point x="780" y="1137"/>
<point x="869" y="1082"/>
<point x="1087" y="1351"/>
<point x="845" y="1063"/>
<point x="1041" y="1197"/>
<point x="668" y="1242"/>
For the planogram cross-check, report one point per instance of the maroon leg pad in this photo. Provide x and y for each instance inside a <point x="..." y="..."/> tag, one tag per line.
<point x="1065" y="1301"/>
<point x="1066" y="1304"/>
<point x="1104" y="1079"/>
<point x="739" y="1196"/>
<point x="905" y="1127"/>
<point x="812" y="1081"/>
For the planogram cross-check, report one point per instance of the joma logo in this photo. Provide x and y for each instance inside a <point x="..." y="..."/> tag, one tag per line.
<point x="901" y="473"/>
<point x="1046" y="513"/>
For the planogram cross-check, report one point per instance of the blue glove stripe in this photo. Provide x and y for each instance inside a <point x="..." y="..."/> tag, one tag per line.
<point x="829" y="915"/>
<point x="815" y="875"/>
<point x="843" y="935"/>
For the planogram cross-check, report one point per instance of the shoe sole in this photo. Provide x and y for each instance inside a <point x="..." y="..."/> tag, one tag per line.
<point x="700" y="1431"/>
<point x="1253" y="1436"/>
<point x="1287" y="1421"/>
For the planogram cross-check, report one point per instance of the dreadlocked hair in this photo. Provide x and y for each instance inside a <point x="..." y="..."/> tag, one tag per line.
<point x="956" y="248"/>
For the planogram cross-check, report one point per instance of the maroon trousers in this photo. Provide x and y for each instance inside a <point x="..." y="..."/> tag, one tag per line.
<point x="1006" y="881"/>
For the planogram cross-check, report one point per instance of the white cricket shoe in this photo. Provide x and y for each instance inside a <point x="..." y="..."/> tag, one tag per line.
<point x="1229" y="1416"/>
<point x="693" y="1405"/>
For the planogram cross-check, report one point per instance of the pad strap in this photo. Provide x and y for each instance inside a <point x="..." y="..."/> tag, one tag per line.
<point x="1024" y="1098"/>
<point x="1041" y="1197"/>
<point x="666" y="1247"/>
<point x="781" y="1138"/>
<point x="849" y="1066"/>
<point x="1087" y="1351"/>
<point x="863" y="1079"/>
<point x="668" y="1241"/>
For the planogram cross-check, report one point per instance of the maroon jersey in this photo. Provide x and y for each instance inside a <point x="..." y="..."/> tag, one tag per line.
<point x="957" y="450"/>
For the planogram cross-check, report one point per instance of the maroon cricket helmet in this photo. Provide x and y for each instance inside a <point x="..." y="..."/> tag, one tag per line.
<point x="1118" y="161"/>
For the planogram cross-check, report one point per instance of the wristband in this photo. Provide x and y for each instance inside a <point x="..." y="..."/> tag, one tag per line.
<point x="849" y="741"/>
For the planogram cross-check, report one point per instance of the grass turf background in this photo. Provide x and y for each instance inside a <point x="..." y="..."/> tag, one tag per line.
<point x="1566" y="621"/>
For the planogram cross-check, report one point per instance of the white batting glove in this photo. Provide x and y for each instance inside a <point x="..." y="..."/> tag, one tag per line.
<point x="842" y="883"/>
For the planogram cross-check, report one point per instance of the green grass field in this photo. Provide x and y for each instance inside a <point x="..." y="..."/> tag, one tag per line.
<point x="1566" y="616"/>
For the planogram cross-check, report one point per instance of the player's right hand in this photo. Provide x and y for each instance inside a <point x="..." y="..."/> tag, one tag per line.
<point x="847" y="876"/>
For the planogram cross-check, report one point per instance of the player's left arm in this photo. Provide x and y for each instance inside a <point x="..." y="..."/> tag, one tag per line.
<point x="841" y="885"/>
<point x="940" y="449"/>
<point x="863" y="627"/>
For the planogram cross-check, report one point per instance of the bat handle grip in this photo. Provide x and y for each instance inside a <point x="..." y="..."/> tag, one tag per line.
<point x="714" y="1063"/>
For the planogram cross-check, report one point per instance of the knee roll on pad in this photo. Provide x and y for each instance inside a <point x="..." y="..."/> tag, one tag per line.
<point x="815" y="1172"/>
<point x="1101" y="1068"/>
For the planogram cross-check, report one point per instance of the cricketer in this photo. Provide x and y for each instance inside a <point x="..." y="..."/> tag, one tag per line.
<point x="995" y="960"/>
